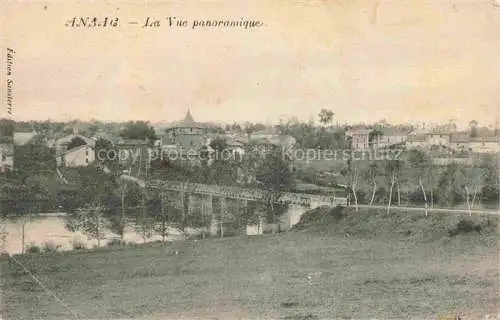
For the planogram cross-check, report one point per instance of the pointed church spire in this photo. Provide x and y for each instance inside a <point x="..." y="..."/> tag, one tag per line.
<point x="189" y="117"/>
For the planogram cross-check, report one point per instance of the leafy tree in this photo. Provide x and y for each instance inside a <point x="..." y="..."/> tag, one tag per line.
<point x="90" y="221"/>
<point x="161" y="219"/>
<point x="105" y="153"/>
<point x="138" y="130"/>
<point x="42" y="128"/>
<point x="473" y="128"/>
<point x="32" y="158"/>
<point x="90" y="187"/>
<point x="472" y="181"/>
<point x="393" y="171"/>
<point x="98" y="186"/>
<point x="132" y="195"/>
<point x="144" y="222"/>
<point x="27" y="202"/>
<point x="93" y="128"/>
<point x="119" y="223"/>
<point x="371" y="174"/>
<point x="325" y="116"/>
<point x="253" y="157"/>
<point x="351" y="172"/>
<point x="76" y="142"/>
<point x="418" y="161"/>
<point x="223" y="169"/>
<point x="489" y="191"/>
<point x="275" y="176"/>
<point x="7" y="127"/>
<point x="236" y="127"/>
<point x="450" y="183"/>
<point x="3" y="234"/>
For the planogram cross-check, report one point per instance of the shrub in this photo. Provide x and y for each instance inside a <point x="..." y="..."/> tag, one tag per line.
<point x="50" y="247"/>
<point x="78" y="245"/>
<point x="464" y="226"/>
<point x="32" y="248"/>
<point x="116" y="242"/>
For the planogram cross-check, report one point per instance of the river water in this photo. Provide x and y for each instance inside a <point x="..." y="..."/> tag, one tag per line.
<point x="50" y="229"/>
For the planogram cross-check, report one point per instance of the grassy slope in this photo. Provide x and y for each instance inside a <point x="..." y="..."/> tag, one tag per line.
<point x="314" y="273"/>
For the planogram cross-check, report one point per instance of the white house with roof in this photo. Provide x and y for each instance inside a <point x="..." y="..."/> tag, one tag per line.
<point x="265" y="133"/>
<point x="415" y="140"/>
<point x="81" y="156"/>
<point x="459" y="141"/>
<point x="438" y="138"/>
<point x="61" y="144"/>
<point x="360" y="138"/>
<point x="483" y="140"/>
<point x="23" y="138"/>
<point x="484" y="144"/>
<point x="391" y="136"/>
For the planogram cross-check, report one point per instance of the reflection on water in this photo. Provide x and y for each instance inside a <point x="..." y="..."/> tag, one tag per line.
<point x="50" y="229"/>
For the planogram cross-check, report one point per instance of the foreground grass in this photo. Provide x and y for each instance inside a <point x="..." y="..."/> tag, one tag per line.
<point x="294" y="275"/>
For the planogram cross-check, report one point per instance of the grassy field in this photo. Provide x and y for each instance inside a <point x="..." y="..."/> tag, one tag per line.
<point x="330" y="267"/>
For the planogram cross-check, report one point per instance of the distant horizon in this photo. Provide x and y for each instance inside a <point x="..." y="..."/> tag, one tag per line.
<point x="265" y="122"/>
<point x="160" y="123"/>
<point x="367" y="60"/>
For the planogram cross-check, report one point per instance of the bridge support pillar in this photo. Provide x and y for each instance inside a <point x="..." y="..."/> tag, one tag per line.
<point x="243" y="216"/>
<point x="222" y="215"/>
<point x="214" y="222"/>
<point x="181" y="204"/>
<point x="190" y="204"/>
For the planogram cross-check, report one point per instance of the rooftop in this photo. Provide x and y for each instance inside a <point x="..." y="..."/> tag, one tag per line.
<point x="459" y="137"/>
<point x="393" y="131"/>
<point x="83" y="146"/>
<point x="6" y="139"/>
<point x="187" y="122"/>
<point x="484" y="139"/>
<point x="22" y="138"/>
<point x="356" y="131"/>
<point x="416" y="138"/>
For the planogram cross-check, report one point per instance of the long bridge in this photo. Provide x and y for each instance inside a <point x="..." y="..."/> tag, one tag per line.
<point x="238" y="193"/>
<point x="202" y="195"/>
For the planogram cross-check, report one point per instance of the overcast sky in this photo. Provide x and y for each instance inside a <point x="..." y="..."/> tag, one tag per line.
<point x="366" y="60"/>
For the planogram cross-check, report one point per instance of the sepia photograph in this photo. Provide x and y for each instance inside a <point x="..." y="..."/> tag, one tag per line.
<point x="281" y="160"/>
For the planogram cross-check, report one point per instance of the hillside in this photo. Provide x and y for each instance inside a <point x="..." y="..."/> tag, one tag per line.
<point x="376" y="223"/>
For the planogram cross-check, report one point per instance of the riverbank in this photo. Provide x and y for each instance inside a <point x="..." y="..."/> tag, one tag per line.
<point x="50" y="230"/>
<point x="308" y="273"/>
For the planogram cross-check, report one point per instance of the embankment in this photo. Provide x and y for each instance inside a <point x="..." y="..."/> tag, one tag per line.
<point x="376" y="222"/>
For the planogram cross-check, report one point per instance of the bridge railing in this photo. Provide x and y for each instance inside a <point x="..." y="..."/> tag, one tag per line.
<point x="244" y="193"/>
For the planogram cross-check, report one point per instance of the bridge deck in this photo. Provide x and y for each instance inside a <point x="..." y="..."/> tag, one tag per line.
<point x="245" y="193"/>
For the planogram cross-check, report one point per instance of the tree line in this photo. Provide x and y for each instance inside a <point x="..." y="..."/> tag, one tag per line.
<point x="415" y="179"/>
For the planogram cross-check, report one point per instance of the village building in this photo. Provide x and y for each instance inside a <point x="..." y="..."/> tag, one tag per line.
<point x="6" y="154"/>
<point x="459" y="142"/>
<point x="415" y="141"/>
<point x="359" y="138"/>
<point x="80" y="156"/>
<point x="186" y="134"/>
<point x="23" y="138"/>
<point x="484" y="144"/>
<point x="438" y="139"/>
<point x="61" y="144"/>
<point x="391" y="136"/>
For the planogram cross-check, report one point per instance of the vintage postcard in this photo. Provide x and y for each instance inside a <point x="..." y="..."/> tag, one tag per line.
<point x="308" y="159"/>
